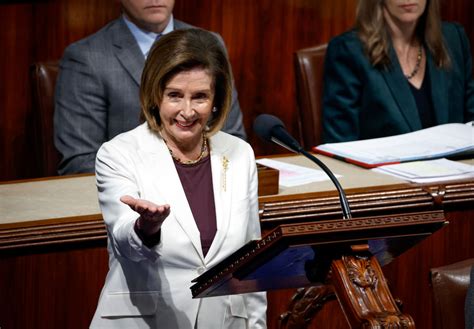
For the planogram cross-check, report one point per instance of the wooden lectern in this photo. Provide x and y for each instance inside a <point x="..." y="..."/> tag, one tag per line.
<point x="341" y="258"/>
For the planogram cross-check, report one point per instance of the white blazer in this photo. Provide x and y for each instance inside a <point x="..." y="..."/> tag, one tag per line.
<point x="150" y="288"/>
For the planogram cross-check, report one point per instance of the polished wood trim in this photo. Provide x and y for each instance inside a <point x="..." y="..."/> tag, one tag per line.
<point x="236" y="273"/>
<point x="363" y="293"/>
<point x="396" y="200"/>
<point x="40" y="179"/>
<point x="304" y="305"/>
<point x="46" y="235"/>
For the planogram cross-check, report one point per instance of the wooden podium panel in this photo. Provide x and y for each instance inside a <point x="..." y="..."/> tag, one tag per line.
<point x="407" y="275"/>
<point x="283" y="257"/>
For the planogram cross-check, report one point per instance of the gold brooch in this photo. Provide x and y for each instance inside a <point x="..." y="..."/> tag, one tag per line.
<point x="225" y="166"/>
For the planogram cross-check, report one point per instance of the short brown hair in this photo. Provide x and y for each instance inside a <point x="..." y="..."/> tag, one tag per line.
<point x="373" y="32"/>
<point x="180" y="51"/>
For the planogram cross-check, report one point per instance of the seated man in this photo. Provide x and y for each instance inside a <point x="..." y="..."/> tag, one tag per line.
<point x="97" y="92"/>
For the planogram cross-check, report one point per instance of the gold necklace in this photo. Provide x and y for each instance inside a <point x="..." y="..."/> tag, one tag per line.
<point x="190" y="162"/>
<point x="417" y="65"/>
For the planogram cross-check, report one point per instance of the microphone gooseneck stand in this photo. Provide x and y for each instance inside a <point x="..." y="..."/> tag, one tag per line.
<point x="346" y="211"/>
<point x="334" y="264"/>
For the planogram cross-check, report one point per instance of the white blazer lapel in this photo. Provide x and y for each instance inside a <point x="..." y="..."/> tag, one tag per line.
<point x="163" y="171"/>
<point x="222" y="186"/>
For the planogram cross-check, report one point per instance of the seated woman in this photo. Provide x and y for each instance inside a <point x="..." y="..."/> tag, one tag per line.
<point x="400" y="70"/>
<point x="177" y="195"/>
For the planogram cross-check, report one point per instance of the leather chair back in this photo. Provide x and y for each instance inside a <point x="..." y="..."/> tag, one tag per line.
<point x="449" y="285"/>
<point x="43" y="80"/>
<point x="309" y="69"/>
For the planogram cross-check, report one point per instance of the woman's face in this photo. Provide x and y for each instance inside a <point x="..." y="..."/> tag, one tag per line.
<point x="404" y="11"/>
<point x="187" y="104"/>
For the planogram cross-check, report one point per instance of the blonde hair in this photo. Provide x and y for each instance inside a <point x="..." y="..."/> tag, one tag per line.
<point x="180" y="51"/>
<point x="373" y="32"/>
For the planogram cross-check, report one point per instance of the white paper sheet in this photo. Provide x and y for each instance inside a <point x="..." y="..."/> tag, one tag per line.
<point x="426" y="144"/>
<point x="293" y="175"/>
<point x="429" y="171"/>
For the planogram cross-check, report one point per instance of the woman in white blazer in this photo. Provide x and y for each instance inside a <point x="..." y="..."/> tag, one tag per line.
<point x="177" y="195"/>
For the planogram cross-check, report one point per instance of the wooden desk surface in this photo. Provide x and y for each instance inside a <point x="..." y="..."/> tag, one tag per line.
<point x="75" y="198"/>
<point x="353" y="177"/>
<point x="49" y="199"/>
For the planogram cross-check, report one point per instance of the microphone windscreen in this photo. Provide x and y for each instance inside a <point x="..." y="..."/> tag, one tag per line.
<point x="265" y="124"/>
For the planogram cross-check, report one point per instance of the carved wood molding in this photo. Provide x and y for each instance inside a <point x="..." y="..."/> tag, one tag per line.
<point x="304" y="305"/>
<point x="52" y="234"/>
<point x="365" y="223"/>
<point x="364" y="295"/>
<point x="398" y="200"/>
<point x="387" y="236"/>
<point x="360" y="286"/>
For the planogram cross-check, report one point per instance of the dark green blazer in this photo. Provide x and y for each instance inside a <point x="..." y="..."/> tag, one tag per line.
<point x="361" y="101"/>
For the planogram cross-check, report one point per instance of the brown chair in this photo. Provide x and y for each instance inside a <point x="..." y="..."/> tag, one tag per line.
<point x="309" y="68"/>
<point x="449" y="286"/>
<point x="43" y="80"/>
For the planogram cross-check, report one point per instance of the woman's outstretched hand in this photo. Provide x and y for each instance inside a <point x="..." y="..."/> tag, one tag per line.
<point x="151" y="215"/>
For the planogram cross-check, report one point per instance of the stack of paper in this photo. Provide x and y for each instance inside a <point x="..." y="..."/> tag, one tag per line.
<point x="431" y="143"/>
<point x="429" y="171"/>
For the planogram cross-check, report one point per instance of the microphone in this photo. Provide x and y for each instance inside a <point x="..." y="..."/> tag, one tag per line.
<point x="270" y="128"/>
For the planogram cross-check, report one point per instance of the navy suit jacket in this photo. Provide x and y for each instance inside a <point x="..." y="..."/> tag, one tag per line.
<point x="97" y="95"/>
<point x="361" y="101"/>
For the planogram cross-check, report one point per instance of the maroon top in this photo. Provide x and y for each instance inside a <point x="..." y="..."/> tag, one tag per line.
<point x="197" y="184"/>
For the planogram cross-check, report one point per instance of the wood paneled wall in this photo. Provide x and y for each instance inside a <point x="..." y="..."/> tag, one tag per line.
<point x="53" y="287"/>
<point x="261" y="37"/>
<point x="35" y="31"/>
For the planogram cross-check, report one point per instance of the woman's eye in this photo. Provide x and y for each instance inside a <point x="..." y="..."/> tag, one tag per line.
<point x="201" y="96"/>
<point x="173" y="95"/>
